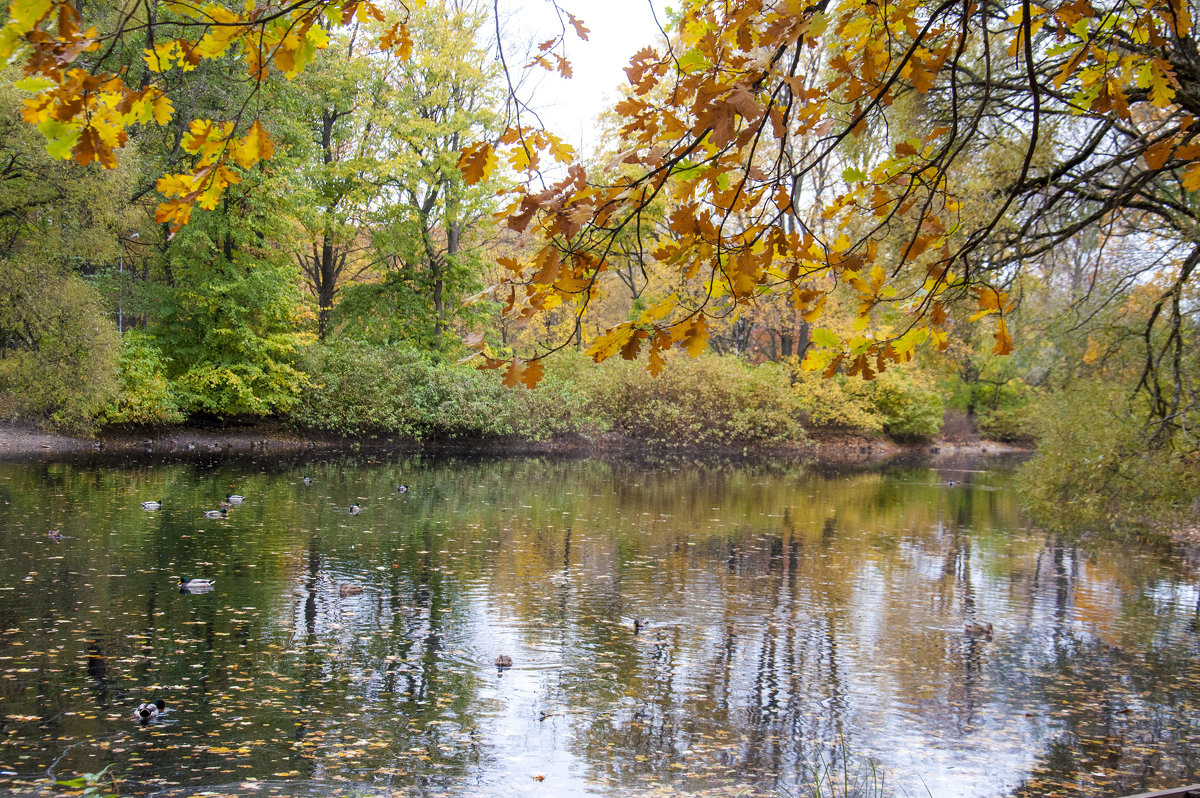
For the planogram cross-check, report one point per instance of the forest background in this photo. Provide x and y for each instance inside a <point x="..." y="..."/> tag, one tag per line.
<point x="357" y="265"/>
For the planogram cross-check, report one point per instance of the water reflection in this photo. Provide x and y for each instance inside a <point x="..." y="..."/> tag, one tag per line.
<point x="675" y="628"/>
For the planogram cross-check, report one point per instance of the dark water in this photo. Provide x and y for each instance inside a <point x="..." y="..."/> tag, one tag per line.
<point x="787" y="618"/>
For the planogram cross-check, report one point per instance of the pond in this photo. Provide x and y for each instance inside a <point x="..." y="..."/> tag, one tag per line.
<point x="674" y="629"/>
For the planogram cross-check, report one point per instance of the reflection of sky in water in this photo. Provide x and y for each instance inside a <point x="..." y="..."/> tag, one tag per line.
<point x="781" y="613"/>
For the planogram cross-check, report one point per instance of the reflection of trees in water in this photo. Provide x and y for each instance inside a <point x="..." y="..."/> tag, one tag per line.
<point x="731" y="689"/>
<point x="787" y="612"/>
<point x="767" y="677"/>
<point x="373" y="670"/>
<point x="1123" y="722"/>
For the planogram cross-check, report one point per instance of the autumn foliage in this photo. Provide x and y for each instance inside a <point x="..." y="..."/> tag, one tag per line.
<point x="86" y="111"/>
<point x="906" y="156"/>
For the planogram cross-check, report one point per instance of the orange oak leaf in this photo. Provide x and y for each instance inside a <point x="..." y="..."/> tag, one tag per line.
<point x="477" y="162"/>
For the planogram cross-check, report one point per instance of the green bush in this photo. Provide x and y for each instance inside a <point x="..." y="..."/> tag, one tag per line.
<point x="359" y="387"/>
<point x="230" y="318"/>
<point x="560" y="404"/>
<point x="899" y="402"/>
<point x="1003" y="411"/>
<point x="1093" y="470"/>
<point x="835" y="401"/>
<point x="145" y="396"/>
<point x="910" y="410"/>
<point x="62" y="369"/>
<point x="703" y="401"/>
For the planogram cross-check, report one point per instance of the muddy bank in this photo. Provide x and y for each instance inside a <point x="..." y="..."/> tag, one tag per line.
<point x="24" y="441"/>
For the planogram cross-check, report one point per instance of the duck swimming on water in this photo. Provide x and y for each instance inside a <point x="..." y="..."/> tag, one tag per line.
<point x="151" y="505"/>
<point x="147" y="711"/>
<point x="979" y="629"/>
<point x="187" y="584"/>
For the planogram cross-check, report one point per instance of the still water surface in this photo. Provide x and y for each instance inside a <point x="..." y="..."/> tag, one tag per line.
<point x="784" y="616"/>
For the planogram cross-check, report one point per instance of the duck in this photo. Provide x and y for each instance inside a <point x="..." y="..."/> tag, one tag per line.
<point x="147" y="711"/>
<point x="307" y="480"/>
<point x="186" y="583"/>
<point x="979" y="629"/>
<point x="349" y="589"/>
<point x="233" y="498"/>
<point x="355" y="509"/>
<point x="222" y="513"/>
<point x="55" y="534"/>
<point x="402" y="489"/>
<point x="151" y="505"/>
<point x="503" y="661"/>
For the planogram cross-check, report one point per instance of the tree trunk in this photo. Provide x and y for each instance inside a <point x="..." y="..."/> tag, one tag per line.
<point x="326" y="282"/>
<point x="453" y="234"/>
<point x="326" y="271"/>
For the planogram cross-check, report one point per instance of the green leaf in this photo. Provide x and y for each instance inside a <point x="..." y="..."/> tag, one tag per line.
<point x="826" y="338"/>
<point x="60" y="138"/>
<point x="693" y="61"/>
<point x="34" y="84"/>
<point x="853" y="175"/>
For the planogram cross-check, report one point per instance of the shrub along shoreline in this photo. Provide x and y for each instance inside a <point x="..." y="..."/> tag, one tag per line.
<point x="367" y="394"/>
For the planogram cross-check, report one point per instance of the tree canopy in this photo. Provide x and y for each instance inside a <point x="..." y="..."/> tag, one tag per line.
<point x="910" y="159"/>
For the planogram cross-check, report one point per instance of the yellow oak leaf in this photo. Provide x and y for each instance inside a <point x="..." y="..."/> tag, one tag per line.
<point x="163" y="109"/>
<point x="255" y="146"/>
<point x="174" y="185"/>
<point x="162" y="56"/>
<point x="1004" y="344"/>
<point x="24" y="15"/>
<point x="1191" y="177"/>
<point x="695" y="337"/>
<point x="607" y="343"/>
<point x="397" y="40"/>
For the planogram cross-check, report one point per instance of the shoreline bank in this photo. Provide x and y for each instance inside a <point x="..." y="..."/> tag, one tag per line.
<point x="22" y="441"/>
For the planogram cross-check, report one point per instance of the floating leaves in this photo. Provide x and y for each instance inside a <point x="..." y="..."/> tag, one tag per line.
<point x="671" y="625"/>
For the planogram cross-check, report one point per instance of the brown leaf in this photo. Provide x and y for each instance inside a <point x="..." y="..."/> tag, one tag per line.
<point x="512" y="375"/>
<point x="1157" y="154"/>
<point x="580" y="30"/>
<point x="477" y="162"/>
<point x="532" y="374"/>
<point x="630" y="349"/>
<point x="656" y="362"/>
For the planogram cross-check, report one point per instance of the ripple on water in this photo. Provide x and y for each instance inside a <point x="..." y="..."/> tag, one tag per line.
<point x="781" y="614"/>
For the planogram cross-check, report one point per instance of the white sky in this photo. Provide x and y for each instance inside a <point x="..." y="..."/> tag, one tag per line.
<point x="616" y="30"/>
